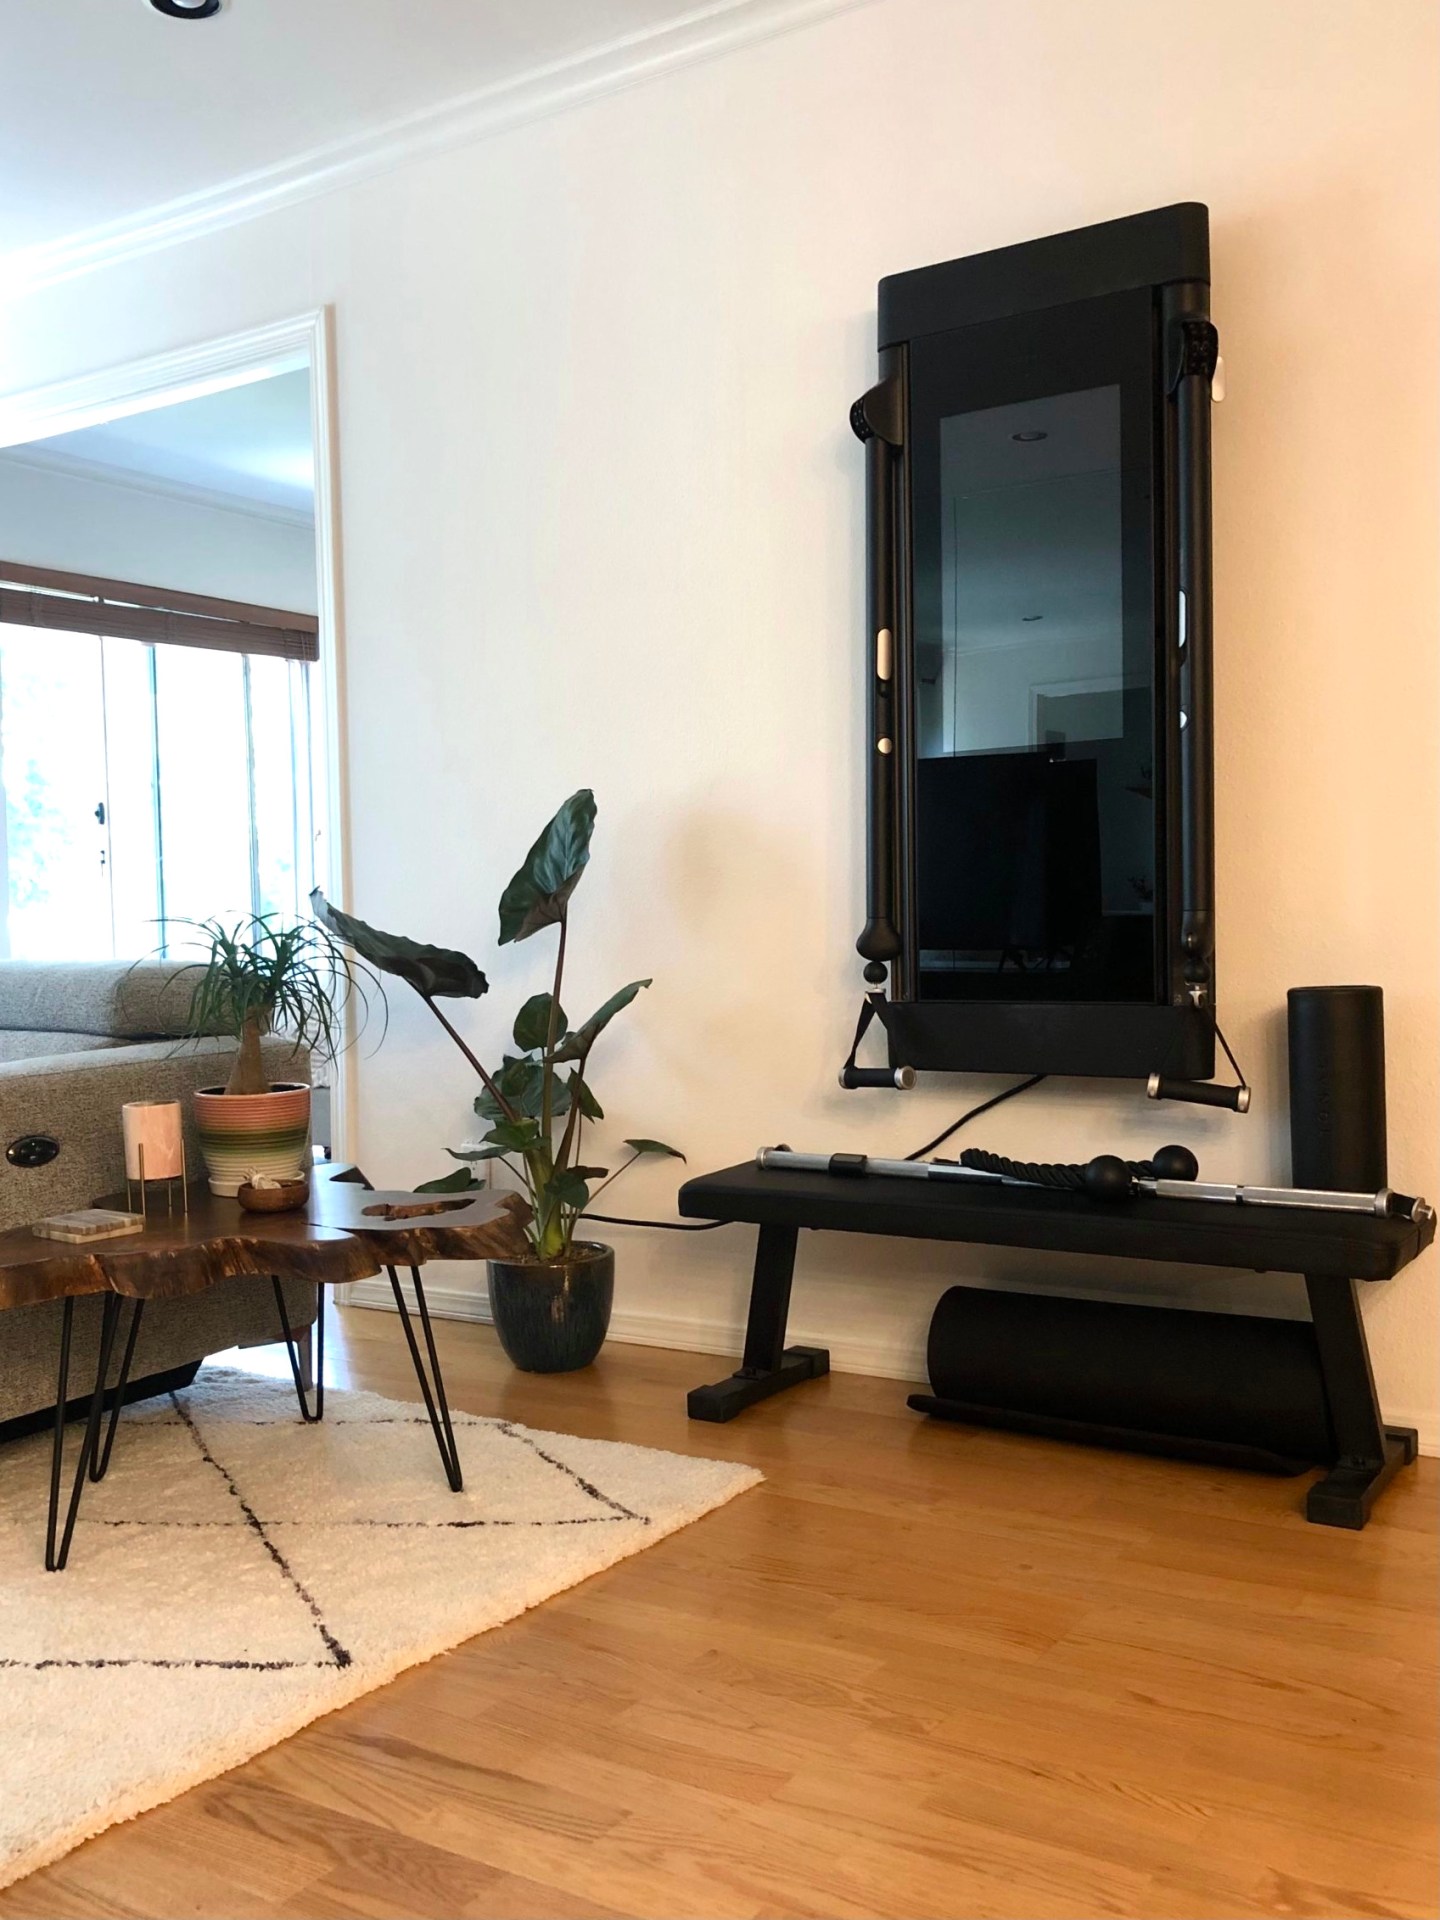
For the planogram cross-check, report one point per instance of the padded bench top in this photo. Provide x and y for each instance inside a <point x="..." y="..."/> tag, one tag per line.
<point x="1356" y="1246"/>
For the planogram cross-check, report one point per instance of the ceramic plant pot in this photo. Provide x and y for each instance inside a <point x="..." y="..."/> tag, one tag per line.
<point x="552" y="1315"/>
<point x="247" y="1133"/>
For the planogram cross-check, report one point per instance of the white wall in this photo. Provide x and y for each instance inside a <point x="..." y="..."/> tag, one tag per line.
<point x="602" y="515"/>
<point x="82" y="524"/>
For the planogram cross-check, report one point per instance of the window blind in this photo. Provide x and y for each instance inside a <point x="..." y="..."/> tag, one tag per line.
<point x="121" y="609"/>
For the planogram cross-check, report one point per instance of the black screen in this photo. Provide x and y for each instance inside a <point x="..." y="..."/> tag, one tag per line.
<point x="1037" y="865"/>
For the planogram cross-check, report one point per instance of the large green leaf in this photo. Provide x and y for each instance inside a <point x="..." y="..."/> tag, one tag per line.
<point x="514" y="1136"/>
<point x="521" y="1081"/>
<point x="460" y="1181"/>
<point x="532" y="1023"/>
<point x="475" y="1153"/>
<point x="536" y="896"/>
<point x="655" y="1146"/>
<point x="576" y="1045"/>
<point x="434" y="972"/>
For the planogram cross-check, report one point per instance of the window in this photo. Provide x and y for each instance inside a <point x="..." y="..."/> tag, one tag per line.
<point x="146" y="782"/>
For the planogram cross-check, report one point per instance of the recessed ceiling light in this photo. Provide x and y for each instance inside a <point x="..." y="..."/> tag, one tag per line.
<point x="1030" y="434"/>
<point x="186" y="9"/>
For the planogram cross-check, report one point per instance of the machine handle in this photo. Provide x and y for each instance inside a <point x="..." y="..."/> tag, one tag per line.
<point x="1199" y="1093"/>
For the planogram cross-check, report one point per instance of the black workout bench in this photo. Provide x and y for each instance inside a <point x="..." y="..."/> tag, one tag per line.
<point x="1331" y="1251"/>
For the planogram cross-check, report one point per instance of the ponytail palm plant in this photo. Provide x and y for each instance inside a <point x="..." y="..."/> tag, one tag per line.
<point x="537" y="1102"/>
<point x="264" y="975"/>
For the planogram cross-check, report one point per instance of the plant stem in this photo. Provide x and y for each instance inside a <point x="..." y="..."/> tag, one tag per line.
<point x="547" y="1075"/>
<point x="490" y="1086"/>
<point x="573" y="1122"/>
<point x="613" y="1178"/>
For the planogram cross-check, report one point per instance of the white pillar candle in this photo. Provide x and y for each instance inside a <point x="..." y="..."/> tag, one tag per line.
<point x="154" y="1125"/>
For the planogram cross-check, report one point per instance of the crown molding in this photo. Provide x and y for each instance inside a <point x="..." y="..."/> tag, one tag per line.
<point x="703" y="33"/>
<point x="162" y="379"/>
<point x="73" y="466"/>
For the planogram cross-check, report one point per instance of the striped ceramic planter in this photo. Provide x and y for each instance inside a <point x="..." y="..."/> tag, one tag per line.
<point x="247" y="1133"/>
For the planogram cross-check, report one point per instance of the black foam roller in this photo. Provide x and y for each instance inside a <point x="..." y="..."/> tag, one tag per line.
<point x="1337" y="1088"/>
<point x="1161" y="1379"/>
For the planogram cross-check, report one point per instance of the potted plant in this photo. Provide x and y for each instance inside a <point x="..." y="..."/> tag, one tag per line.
<point x="260" y="977"/>
<point x="552" y="1309"/>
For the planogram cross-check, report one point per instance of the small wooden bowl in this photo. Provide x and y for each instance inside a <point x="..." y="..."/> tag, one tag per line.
<point x="282" y="1199"/>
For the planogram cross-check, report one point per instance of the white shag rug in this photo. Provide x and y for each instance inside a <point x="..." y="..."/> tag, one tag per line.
<point x="237" y="1574"/>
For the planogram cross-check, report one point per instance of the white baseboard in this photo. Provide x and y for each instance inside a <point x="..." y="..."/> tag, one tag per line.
<point x="883" y="1359"/>
<point x="886" y="1360"/>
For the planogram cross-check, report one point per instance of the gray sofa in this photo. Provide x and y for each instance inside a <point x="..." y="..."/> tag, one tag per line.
<point x="76" y="1041"/>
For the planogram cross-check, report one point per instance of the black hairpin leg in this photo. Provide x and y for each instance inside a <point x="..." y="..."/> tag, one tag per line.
<point x="439" y="1421"/>
<point x="57" y="1555"/>
<point x="100" y="1465"/>
<point x="310" y="1411"/>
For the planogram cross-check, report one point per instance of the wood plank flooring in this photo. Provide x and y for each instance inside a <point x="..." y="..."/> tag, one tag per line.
<point x="923" y="1671"/>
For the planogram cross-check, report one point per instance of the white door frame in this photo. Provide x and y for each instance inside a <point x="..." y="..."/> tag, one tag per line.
<point x="189" y="373"/>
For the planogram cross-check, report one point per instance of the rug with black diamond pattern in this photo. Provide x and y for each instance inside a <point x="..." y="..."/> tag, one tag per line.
<point x="237" y="1574"/>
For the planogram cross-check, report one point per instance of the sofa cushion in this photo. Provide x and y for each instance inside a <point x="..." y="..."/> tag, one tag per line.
<point x="144" y="1000"/>
<point x="20" y="1045"/>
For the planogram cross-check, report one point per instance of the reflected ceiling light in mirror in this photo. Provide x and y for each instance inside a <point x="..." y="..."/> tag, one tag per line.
<point x="1030" y="435"/>
<point x="186" y="9"/>
<point x="291" y="466"/>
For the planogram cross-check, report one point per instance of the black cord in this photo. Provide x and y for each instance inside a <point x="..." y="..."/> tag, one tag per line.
<point x="664" y="1226"/>
<point x="709" y="1226"/>
<point x="1219" y="1035"/>
<point x="1022" y="1086"/>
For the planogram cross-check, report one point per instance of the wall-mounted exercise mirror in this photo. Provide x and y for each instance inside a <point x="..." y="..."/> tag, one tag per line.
<point x="1040" y="872"/>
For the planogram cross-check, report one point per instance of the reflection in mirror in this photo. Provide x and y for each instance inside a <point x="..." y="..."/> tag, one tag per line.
<point x="1034" y="774"/>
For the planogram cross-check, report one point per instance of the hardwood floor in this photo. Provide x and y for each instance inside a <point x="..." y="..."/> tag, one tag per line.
<point x="922" y="1671"/>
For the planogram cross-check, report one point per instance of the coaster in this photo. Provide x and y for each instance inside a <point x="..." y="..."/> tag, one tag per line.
<point x="88" y="1223"/>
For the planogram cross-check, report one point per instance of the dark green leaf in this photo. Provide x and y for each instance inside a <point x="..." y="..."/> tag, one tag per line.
<point x="474" y="1153"/>
<point x="655" y="1146"/>
<point x="576" y="1045"/>
<point x="569" y="1189"/>
<point x="532" y="1023"/>
<point x="590" y="1173"/>
<point x="521" y="1082"/>
<point x="578" y="1094"/>
<point x="537" y="894"/>
<point x="434" y="972"/>
<point x="514" y="1136"/>
<point x="460" y="1181"/>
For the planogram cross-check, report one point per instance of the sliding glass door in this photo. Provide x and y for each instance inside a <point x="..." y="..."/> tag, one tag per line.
<point x="147" y="785"/>
<point x="52" y="764"/>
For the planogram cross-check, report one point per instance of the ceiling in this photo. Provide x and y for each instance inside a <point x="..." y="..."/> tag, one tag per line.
<point x="112" y="110"/>
<point x="250" y="444"/>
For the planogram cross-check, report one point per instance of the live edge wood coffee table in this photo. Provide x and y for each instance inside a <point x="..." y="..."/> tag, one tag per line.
<point x="346" y="1231"/>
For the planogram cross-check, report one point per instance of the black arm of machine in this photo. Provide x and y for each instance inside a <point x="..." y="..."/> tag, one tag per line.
<point x="877" y="420"/>
<point x="1193" y="346"/>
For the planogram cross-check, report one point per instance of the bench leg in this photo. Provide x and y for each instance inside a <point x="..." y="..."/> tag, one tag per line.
<point x="768" y="1365"/>
<point x="1368" y="1454"/>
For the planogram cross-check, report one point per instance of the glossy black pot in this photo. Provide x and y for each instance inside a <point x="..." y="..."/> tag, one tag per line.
<point x="552" y="1315"/>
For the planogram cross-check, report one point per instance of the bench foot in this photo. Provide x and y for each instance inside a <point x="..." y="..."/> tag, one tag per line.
<point x="729" y="1397"/>
<point x="1347" y="1493"/>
